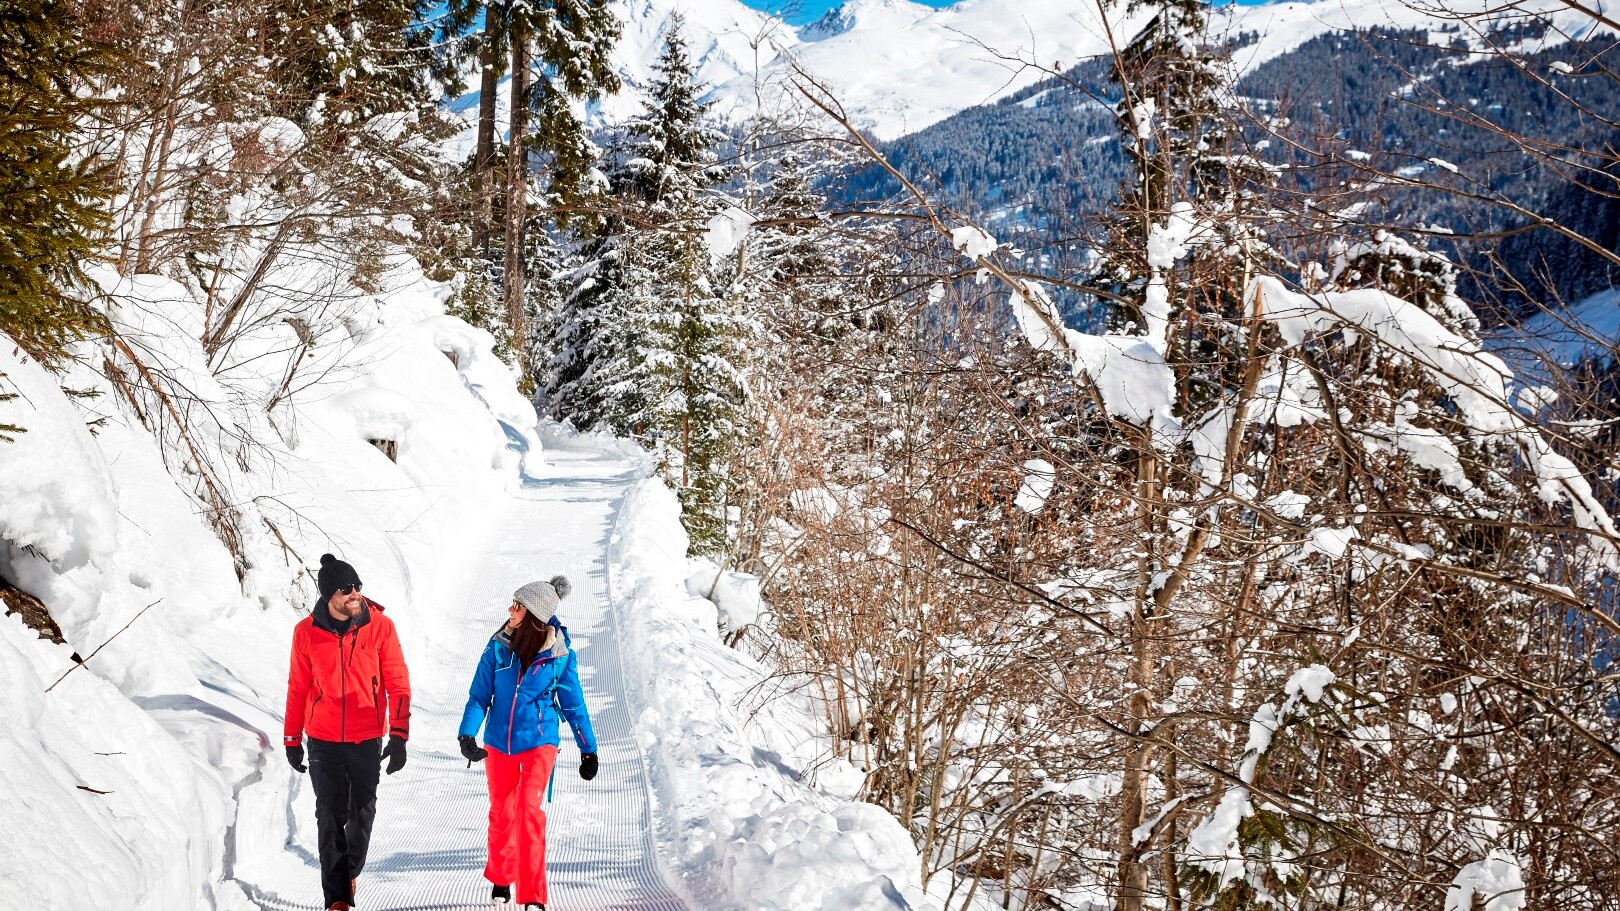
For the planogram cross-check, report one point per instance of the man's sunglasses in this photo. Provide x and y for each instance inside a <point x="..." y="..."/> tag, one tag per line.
<point x="349" y="589"/>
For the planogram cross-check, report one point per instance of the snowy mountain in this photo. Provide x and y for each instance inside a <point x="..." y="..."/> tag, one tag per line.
<point x="899" y="67"/>
<point x="729" y="43"/>
<point x="893" y="15"/>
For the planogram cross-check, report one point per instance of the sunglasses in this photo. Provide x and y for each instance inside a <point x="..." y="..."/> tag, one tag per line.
<point x="349" y="589"/>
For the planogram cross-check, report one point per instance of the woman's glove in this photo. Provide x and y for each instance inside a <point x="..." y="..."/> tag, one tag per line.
<point x="471" y="751"/>
<point x="587" y="766"/>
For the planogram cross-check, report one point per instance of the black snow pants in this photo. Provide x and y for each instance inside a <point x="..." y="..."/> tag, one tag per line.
<point x="344" y="776"/>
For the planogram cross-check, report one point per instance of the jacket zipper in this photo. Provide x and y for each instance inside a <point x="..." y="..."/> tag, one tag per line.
<point x="343" y="682"/>
<point x="511" y="713"/>
<point x="376" y="699"/>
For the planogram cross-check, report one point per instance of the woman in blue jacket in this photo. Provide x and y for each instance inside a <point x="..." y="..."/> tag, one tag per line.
<point x="527" y="679"/>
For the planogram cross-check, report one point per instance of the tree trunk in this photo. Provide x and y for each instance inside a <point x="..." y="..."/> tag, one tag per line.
<point x="1133" y="873"/>
<point x="517" y="186"/>
<point x="484" y="153"/>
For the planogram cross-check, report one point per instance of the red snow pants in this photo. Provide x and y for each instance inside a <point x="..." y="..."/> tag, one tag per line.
<point x="517" y="822"/>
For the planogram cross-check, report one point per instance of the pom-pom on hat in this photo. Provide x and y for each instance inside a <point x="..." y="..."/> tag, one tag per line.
<point x="334" y="574"/>
<point x="540" y="598"/>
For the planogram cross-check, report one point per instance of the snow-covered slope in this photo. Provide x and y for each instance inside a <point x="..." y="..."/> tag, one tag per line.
<point x="897" y="72"/>
<point x="1587" y="328"/>
<point x="758" y="810"/>
<point x="898" y="66"/>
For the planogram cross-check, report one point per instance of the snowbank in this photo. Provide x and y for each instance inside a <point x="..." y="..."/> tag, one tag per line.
<point x="743" y="829"/>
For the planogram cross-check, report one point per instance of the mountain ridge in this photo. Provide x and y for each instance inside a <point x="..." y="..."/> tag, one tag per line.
<point x="899" y="67"/>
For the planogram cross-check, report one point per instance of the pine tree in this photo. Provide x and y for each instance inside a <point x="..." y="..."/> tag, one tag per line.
<point x="1411" y="272"/>
<point x="1189" y="187"/>
<point x="543" y="299"/>
<point x="51" y="214"/>
<point x="596" y="336"/>
<point x="645" y="343"/>
<point x="556" y="52"/>
<point x="340" y="62"/>
<point x="1180" y="253"/>
<point x="693" y="344"/>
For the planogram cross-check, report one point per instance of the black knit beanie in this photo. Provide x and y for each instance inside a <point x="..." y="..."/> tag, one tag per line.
<point x="334" y="575"/>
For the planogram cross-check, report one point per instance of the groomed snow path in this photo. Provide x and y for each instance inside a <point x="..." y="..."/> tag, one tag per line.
<point x="427" y="850"/>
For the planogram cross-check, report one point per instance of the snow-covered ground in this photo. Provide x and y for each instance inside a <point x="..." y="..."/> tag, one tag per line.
<point x="151" y="777"/>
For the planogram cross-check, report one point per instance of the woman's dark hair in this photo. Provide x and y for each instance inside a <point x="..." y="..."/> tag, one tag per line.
<point x="529" y="638"/>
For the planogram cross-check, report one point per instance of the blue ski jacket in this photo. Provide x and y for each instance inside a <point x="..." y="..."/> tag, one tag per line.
<point x="522" y="709"/>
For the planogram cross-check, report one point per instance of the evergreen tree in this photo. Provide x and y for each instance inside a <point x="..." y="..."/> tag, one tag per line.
<point x="556" y="52"/>
<point x="1180" y="253"/>
<point x="341" y="62"/>
<point x="693" y="342"/>
<point x="51" y="200"/>
<point x="644" y="341"/>
<point x="545" y="267"/>
<point x="597" y="338"/>
<point x="1190" y="189"/>
<point x="1411" y="272"/>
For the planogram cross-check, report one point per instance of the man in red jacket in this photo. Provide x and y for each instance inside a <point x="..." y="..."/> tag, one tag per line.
<point x="347" y="686"/>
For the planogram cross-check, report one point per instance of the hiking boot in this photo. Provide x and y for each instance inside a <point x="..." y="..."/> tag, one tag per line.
<point x="501" y="895"/>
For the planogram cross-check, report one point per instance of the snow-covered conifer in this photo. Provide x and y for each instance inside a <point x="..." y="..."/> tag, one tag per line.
<point x="558" y="54"/>
<point x="646" y="343"/>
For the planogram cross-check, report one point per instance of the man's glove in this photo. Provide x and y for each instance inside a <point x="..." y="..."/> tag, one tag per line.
<point x="587" y="766"/>
<point x="471" y="751"/>
<point x="395" y="753"/>
<point x="295" y="758"/>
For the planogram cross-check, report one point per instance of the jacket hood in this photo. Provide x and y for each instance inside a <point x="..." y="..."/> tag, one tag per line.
<point x="323" y="618"/>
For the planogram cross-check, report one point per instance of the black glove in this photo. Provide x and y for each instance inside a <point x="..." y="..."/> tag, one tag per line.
<point x="395" y="753"/>
<point x="471" y="751"/>
<point x="587" y="766"/>
<point x="295" y="758"/>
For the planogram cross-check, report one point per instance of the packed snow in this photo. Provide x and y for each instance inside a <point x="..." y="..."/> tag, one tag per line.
<point x="727" y="229"/>
<point x="972" y="241"/>
<point x="1497" y="883"/>
<point x="736" y="595"/>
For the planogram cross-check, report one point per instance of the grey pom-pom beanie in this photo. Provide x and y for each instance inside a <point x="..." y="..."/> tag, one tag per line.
<point x="540" y="598"/>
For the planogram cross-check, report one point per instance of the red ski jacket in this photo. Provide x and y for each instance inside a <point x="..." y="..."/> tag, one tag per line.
<point x="347" y="689"/>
